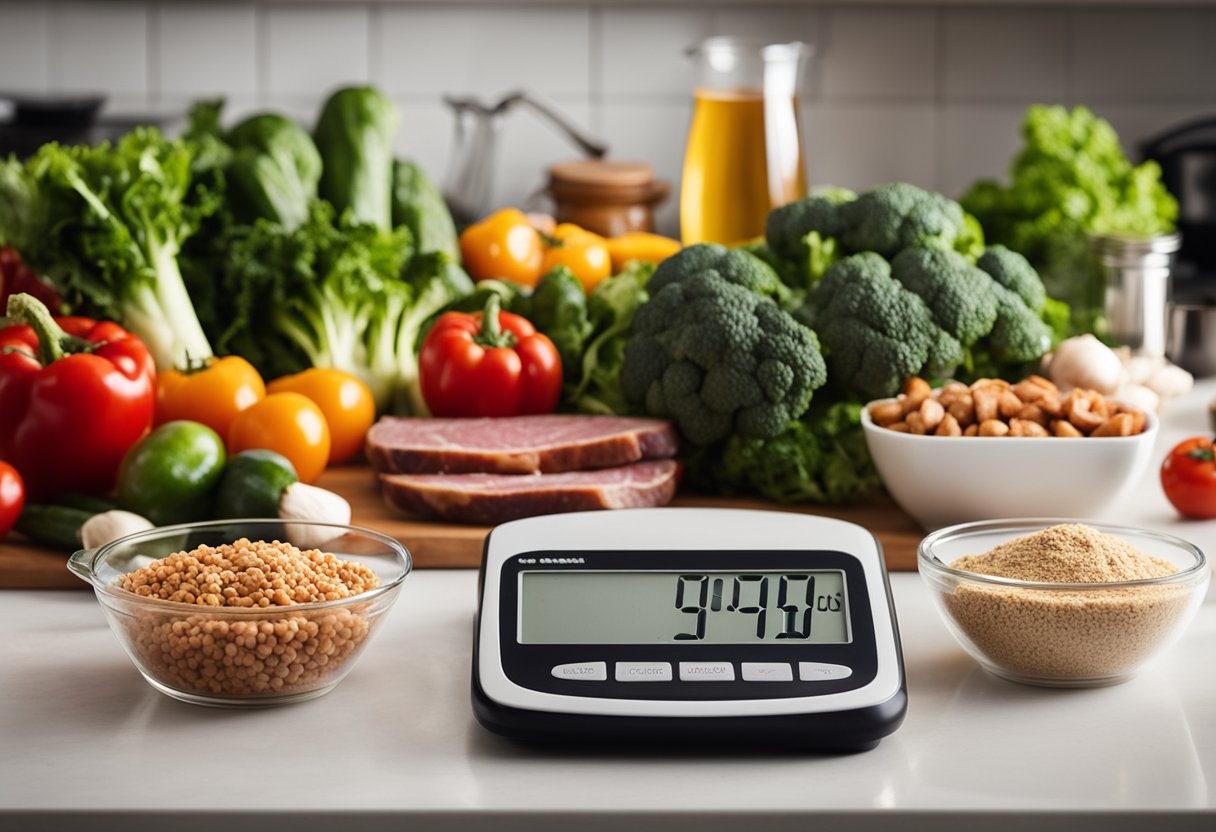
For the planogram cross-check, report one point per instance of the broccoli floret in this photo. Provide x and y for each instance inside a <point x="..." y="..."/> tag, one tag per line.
<point x="717" y="358"/>
<point x="1019" y="335"/>
<point x="896" y="216"/>
<point x="958" y="294"/>
<point x="735" y="266"/>
<point x="786" y="228"/>
<point x="801" y="237"/>
<point x="876" y="332"/>
<point x="1014" y="272"/>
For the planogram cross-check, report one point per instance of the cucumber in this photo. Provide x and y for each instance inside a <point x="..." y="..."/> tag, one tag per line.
<point x="85" y="502"/>
<point x="253" y="484"/>
<point x="53" y="525"/>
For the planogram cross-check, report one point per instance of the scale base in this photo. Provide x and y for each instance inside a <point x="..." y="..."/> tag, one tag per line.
<point x="836" y="732"/>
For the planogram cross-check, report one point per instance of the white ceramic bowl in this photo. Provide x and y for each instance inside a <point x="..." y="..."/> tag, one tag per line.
<point x="943" y="480"/>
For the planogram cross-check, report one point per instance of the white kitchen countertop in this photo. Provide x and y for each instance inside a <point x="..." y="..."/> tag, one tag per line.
<point x="85" y="741"/>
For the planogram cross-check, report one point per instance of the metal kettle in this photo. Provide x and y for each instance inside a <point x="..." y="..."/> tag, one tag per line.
<point x="469" y="182"/>
<point x="1187" y="155"/>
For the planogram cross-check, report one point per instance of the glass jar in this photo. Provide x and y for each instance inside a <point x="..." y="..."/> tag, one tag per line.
<point x="744" y="152"/>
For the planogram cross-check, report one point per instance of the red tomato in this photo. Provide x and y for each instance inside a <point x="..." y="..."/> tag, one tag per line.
<point x="1188" y="476"/>
<point x="12" y="497"/>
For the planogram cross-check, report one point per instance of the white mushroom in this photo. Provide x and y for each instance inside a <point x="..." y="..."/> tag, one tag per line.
<point x="308" y="502"/>
<point x="1170" y="380"/>
<point x="1084" y="361"/>
<point x="102" y="528"/>
<point x="1137" y="396"/>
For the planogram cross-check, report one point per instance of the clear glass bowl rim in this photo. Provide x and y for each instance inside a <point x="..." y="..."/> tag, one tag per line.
<point x="1026" y="525"/>
<point x="163" y="605"/>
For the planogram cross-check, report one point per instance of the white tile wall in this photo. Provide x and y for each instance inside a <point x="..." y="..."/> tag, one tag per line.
<point x="976" y="141"/>
<point x="485" y="51"/>
<point x="1019" y="54"/>
<point x="856" y="145"/>
<point x="24" y="35"/>
<point x="206" y="51"/>
<point x="1144" y="54"/>
<point x="309" y="51"/>
<point x="879" y="53"/>
<point x="101" y="47"/>
<point x="930" y="94"/>
<point x="641" y="50"/>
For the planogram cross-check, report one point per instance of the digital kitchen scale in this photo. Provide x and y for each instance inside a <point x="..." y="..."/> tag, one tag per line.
<point x="687" y="624"/>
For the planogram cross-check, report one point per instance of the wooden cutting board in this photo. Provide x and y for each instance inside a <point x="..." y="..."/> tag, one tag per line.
<point x="24" y="565"/>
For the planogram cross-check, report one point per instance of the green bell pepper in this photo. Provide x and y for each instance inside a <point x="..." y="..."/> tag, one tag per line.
<point x="171" y="475"/>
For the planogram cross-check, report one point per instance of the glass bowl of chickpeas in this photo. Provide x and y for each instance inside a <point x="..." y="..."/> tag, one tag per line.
<point x="993" y="449"/>
<point x="245" y="613"/>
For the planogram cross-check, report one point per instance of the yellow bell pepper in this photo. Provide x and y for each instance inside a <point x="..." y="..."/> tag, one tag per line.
<point x="640" y="245"/>
<point x="503" y="246"/>
<point x="581" y="251"/>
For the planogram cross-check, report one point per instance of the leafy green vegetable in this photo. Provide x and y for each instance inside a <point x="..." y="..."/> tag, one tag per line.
<point x="355" y="136"/>
<point x="1071" y="179"/>
<point x="712" y="353"/>
<point x="558" y="308"/>
<point x="274" y="170"/>
<point x="106" y="224"/>
<point x="821" y="458"/>
<point x="610" y="308"/>
<point x="418" y="205"/>
<point x="327" y="294"/>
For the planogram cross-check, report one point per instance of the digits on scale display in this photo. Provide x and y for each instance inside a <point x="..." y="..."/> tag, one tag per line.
<point x="698" y="595"/>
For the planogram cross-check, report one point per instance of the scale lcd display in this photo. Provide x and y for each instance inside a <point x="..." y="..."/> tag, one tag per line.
<point x="656" y="607"/>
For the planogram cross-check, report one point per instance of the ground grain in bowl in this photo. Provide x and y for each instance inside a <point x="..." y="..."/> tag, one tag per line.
<point x="279" y="652"/>
<point x="1066" y="633"/>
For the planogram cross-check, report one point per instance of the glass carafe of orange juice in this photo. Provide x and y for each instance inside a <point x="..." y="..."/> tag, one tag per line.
<point x="744" y="154"/>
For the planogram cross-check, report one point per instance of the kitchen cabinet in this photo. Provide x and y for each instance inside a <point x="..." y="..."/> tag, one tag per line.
<point x="87" y="742"/>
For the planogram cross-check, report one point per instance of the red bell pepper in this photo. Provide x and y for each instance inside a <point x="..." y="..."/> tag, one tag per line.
<point x="75" y="395"/>
<point x="16" y="277"/>
<point x="489" y="363"/>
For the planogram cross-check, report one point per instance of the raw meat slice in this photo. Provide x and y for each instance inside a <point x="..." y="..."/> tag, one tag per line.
<point x="516" y="445"/>
<point x="496" y="498"/>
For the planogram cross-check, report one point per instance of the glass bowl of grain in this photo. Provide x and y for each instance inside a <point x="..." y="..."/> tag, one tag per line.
<point x="1062" y="603"/>
<point x="245" y="613"/>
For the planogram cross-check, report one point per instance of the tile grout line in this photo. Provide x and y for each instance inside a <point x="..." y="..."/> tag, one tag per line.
<point x="595" y="68"/>
<point x="261" y="41"/>
<point x="375" y="63"/>
<point x="153" y="55"/>
<point x="940" y="161"/>
<point x="54" y="22"/>
<point x="1070" y="51"/>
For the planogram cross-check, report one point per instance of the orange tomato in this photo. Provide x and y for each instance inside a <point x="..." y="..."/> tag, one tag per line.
<point x="504" y="246"/>
<point x="345" y="400"/>
<point x="289" y="423"/>
<point x="213" y="393"/>
<point x="582" y="252"/>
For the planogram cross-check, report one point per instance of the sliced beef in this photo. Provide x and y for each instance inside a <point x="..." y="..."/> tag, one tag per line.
<point x="516" y="445"/>
<point x="496" y="498"/>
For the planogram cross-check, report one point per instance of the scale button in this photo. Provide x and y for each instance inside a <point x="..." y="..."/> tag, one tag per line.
<point x="582" y="671"/>
<point x="767" y="672"/>
<point x="707" y="672"/>
<point x="822" y="672"/>
<point x="643" y="671"/>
